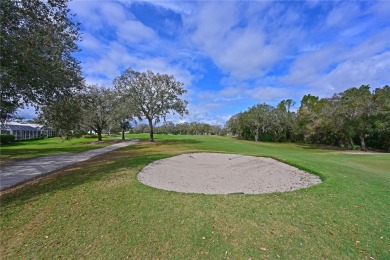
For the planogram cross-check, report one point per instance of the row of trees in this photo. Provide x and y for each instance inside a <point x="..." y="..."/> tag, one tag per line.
<point x="108" y="110"/>
<point x="135" y="96"/>
<point x="90" y="109"/>
<point x="193" y="128"/>
<point x="354" y="117"/>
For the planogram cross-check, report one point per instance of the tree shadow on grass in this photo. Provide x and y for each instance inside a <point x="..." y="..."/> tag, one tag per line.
<point x="27" y="153"/>
<point x="94" y="170"/>
<point x="179" y="141"/>
<point x="318" y="146"/>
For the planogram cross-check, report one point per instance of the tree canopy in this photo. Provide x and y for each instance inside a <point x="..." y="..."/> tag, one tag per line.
<point x="153" y="95"/>
<point x="64" y="116"/>
<point x="98" y="107"/>
<point x="37" y="42"/>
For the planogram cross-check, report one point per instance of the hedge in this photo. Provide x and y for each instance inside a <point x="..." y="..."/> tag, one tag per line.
<point x="6" y="138"/>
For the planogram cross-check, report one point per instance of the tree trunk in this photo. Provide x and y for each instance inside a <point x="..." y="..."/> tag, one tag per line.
<point x="362" y="142"/>
<point x="123" y="133"/>
<point x="351" y="142"/>
<point x="257" y="134"/>
<point x="99" y="132"/>
<point x="151" y="130"/>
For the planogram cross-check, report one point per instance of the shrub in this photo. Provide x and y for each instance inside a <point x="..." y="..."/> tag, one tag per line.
<point x="356" y="147"/>
<point x="6" y="138"/>
<point x="90" y="136"/>
<point x="78" y="135"/>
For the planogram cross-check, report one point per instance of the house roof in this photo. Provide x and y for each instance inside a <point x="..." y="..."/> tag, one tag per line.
<point x="22" y="127"/>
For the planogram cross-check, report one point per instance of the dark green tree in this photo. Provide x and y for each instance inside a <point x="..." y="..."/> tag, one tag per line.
<point x="65" y="115"/>
<point x="379" y="131"/>
<point x="37" y="41"/>
<point x="153" y="95"/>
<point x="98" y="109"/>
<point x="123" y="113"/>
<point x="353" y="113"/>
<point x="286" y="118"/>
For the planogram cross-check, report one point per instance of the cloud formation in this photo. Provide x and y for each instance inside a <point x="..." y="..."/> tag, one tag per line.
<point x="232" y="55"/>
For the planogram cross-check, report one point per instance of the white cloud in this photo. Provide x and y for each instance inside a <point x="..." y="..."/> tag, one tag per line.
<point x="312" y="3"/>
<point x="91" y="44"/>
<point x="342" y="14"/>
<point x="181" y="7"/>
<point x="247" y="55"/>
<point x="129" y="43"/>
<point x="266" y="51"/>
<point x="133" y="31"/>
<point x="87" y="13"/>
<point x="163" y="66"/>
<point x="373" y="71"/>
<point x="268" y="94"/>
<point x="370" y="46"/>
<point x="242" y="43"/>
<point x="381" y="9"/>
<point x="200" y="113"/>
<point x="334" y="68"/>
<point x="117" y="59"/>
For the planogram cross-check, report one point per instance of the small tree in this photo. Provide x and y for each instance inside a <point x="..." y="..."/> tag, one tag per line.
<point x="64" y="115"/>
<point x="153" y="95"/>
<point x="97" y="109"/>
<point x="123" y="113"/>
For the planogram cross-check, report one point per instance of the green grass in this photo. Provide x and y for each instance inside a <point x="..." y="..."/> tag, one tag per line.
<point x="34" y="148"/>
<point x="100" y="210"/>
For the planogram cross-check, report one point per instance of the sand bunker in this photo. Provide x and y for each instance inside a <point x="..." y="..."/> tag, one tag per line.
<point x="214" y="173"/>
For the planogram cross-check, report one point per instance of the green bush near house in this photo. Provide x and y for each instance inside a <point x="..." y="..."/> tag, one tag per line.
<point x="7" y="138"/>
<point x="90" y="136"/>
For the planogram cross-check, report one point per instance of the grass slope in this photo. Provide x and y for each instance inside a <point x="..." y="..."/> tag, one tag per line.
<point x="99" y="210"/>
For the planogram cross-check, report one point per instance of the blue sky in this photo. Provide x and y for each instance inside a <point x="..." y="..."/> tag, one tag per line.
<point x="234" y="54"/>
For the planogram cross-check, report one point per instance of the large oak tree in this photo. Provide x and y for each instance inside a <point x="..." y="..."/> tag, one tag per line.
<point x="37" y="41"/>
<point x="153" y="95"/>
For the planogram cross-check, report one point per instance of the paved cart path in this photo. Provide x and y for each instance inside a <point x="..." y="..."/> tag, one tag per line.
<point x="21" y="171"/>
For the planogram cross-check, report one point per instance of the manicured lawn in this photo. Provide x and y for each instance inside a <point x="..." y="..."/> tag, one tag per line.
<point x="34" y="148"/>
<point x="99" y="210"/>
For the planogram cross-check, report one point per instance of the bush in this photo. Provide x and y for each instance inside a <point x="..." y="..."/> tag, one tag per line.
<point x="356" y="147"/>
<point x="6" y="138"/>
<point x="77" y="135"/>
<point x="90" y="136"/>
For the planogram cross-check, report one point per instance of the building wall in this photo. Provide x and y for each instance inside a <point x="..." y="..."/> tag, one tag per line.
<point x="26" y="134"/>
<point x="25" y="131"/>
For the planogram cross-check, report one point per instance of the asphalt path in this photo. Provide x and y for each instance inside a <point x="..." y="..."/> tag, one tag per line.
<point x="21" y="171"/>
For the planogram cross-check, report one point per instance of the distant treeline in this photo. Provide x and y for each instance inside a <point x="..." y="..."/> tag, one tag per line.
<point x="354" y="119"/>
<point x="193" y="128"/>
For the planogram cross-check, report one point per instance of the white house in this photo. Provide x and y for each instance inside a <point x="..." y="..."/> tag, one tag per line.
<point x="23" y="131"/>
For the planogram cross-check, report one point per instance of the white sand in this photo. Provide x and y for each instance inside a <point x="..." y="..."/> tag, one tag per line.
<point x="214" y="173"/>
